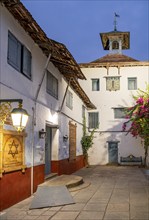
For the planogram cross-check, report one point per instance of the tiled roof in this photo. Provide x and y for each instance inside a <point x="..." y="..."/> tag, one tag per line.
<point x="61" y="57"/>
<point x="114" y="58"/>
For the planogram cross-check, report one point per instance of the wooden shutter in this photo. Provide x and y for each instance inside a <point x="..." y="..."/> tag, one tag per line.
<point x="72" y="141"/>
<point x="26" y="65"/>
<point x="14" y="52"/>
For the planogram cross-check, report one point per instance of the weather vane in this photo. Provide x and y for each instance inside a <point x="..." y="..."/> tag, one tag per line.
<point x="115" y="22"/>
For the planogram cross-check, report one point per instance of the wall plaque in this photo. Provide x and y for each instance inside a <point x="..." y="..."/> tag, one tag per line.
<point x="11" y="151"/>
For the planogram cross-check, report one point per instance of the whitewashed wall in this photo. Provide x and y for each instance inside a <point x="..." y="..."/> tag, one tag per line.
<point x="110" y="128"/>
<point x="15" y="85"/>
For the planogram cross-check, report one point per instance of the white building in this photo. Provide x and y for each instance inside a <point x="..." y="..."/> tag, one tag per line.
<point x="45" y="76"/>
<point x="111" y="82"/>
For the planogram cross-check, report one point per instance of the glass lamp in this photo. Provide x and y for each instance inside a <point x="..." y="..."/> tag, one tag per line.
<point x="19" y="117"/>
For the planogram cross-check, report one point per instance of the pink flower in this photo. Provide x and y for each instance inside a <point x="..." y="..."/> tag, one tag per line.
<point x="124" y="127"/>
<point x="140" y="100"/>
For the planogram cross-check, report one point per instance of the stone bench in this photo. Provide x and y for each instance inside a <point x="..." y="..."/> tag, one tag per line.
<point x="131" y="160"/>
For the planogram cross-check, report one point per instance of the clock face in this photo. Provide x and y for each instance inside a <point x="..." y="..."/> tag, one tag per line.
<point x="113" y="83"/>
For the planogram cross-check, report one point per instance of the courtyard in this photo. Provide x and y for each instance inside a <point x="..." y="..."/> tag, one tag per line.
<point x="108" y="193"/>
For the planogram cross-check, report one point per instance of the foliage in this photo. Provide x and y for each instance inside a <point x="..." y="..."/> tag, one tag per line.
<point x="138" y="115"/>
<point x="87" y="139"/>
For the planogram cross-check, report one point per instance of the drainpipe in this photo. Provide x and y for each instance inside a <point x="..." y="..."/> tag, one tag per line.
<point x="65" y="94"/>
<point x="34" y="122"/>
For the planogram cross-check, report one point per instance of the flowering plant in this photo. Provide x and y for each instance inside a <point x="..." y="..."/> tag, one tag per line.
<point x="138" y="115"/>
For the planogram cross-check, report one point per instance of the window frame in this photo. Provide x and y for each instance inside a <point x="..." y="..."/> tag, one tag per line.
<point x="116" y="114"/>
<point x="97" y="80"/>
<point x="17" y="49"/>
<point x="135" y="82"/>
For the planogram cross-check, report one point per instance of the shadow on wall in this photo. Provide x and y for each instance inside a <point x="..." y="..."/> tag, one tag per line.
<point x="112" y="144"/>
<point x="126" y="143"/>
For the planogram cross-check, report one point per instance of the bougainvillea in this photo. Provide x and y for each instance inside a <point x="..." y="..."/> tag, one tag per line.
<point x="138" y="119"/>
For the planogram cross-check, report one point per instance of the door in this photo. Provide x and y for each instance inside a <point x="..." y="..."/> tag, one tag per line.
<point x="113" y="152"/>
<point x="72" y="141"/>
<point x="48" y="142"/>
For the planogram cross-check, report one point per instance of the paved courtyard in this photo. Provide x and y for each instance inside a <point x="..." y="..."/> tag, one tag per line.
<point x="108" y="193"/>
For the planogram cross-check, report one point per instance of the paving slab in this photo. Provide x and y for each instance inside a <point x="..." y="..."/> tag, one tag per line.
<point x="107" y="193"/>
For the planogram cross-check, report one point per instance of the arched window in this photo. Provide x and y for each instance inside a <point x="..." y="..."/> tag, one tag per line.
<point x="115" y="45"/>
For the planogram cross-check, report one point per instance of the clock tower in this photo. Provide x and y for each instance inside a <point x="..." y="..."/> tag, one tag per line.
<point x="115" y="41"/>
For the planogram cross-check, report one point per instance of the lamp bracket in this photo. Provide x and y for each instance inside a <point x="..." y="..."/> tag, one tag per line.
<point x="11" y="100"/>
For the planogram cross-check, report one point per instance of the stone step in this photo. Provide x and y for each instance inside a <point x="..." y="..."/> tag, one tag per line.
<point x="50" y="176"/>
<point x="64" y="180"/>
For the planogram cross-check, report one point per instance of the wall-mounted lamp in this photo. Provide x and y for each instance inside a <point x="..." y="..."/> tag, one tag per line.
<point x="65" y="138"/>
<point x="19" y="115"/>
<point x="42" y="134"/>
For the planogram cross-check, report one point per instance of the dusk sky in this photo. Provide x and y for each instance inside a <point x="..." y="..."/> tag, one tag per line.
<point x="77" y="24"/>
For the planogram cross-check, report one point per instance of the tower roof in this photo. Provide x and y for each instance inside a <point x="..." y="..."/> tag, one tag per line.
<point x="124" y="36"/>
<point x="114" y="58"/>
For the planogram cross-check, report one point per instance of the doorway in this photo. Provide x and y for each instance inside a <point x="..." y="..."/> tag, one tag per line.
<point x="48" y="144"/>
<point x="113" y="152"/>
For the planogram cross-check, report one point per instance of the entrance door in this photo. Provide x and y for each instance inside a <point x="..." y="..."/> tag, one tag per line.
<point x="72" y="141"/>
<point x="48" y="142"/>
<point x="113" y="152"/>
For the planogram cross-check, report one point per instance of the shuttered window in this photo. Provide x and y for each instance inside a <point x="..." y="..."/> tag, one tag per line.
<point x="19" y="57"/>
<point x="52" y="85"/>
<point x="26" y="65"/>
<point x="93" y="119"/>
<point x="95" y="84"/>
<point x="132" y="83"/>
<point x="14" y="52"/>
<point x="69" y="100"/>
<point x="119" y="113"/>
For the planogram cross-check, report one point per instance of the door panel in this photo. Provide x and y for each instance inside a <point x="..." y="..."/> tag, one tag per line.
<point x="48" y="150"/>
<point x="113" y="152"/>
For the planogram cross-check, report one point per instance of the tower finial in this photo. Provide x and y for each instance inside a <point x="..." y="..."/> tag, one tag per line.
<point x="115" y="22"/>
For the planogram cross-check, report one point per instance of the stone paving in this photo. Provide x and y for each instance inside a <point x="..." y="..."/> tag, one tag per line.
<point x="109" y="193"/>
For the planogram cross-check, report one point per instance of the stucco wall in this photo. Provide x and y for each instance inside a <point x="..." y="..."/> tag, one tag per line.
<point x="109" y="127"/>
<point x="16" y="85"/>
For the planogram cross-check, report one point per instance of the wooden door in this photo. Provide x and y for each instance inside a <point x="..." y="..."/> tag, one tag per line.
<point x="72" y="141"/>
<point x="113" y="152"/>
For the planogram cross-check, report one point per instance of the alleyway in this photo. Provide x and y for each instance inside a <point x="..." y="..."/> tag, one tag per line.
<point x="108" y="193"/>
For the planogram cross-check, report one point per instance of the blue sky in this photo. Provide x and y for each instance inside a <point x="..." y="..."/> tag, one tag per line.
<point x="77" y="24"/>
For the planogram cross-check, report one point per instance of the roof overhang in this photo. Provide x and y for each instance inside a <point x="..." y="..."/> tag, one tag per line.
<point x="114" y="64"/>
<point x="60" y="56"/>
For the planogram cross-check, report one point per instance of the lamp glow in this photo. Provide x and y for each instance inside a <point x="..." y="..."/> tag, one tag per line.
<point x="19" y="118"/>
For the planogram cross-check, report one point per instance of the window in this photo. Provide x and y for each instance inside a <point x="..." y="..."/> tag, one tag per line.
<point x="93" y="119"/>
<point x="119" y="113"/>
<point x="52" y="85"/>
<point x="83" y="111"/>
<point x="95" y="84"/>
<point x="132" y="83"/>
<point x="19" y="56"/>
<point x="113" y="83"/>
<point x="69" y="100"/>
<point x="115" y="45"/>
